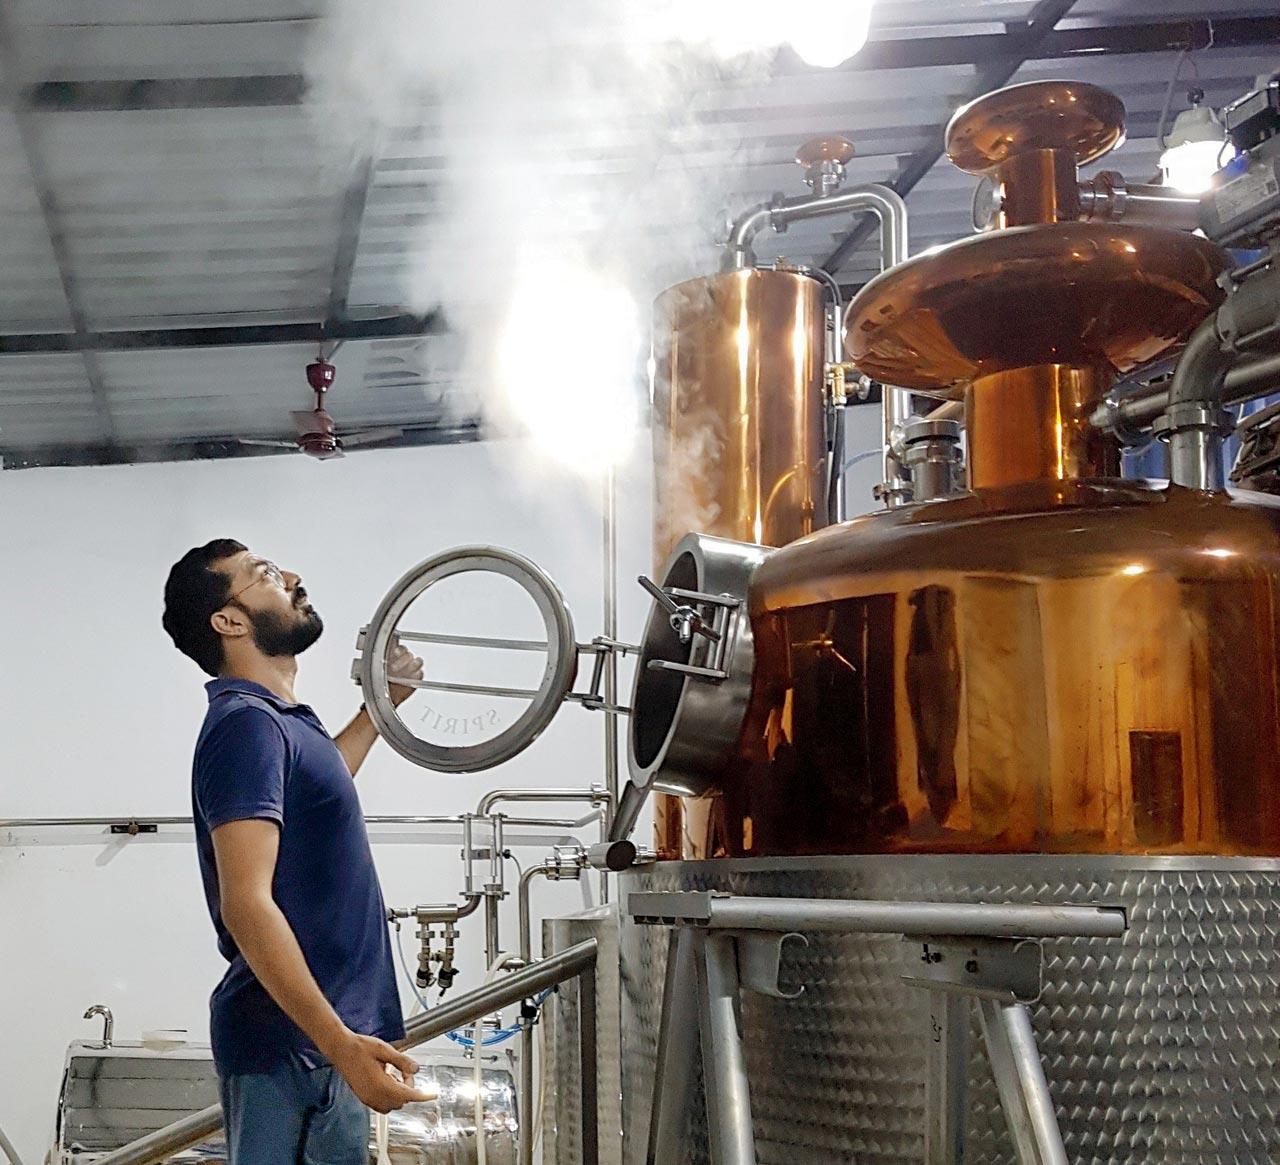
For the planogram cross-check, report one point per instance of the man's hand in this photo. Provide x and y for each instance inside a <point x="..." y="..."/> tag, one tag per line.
<point x="402" y="664"/>
<point x="355" y="740"/>
<point x="363" y="1061"/>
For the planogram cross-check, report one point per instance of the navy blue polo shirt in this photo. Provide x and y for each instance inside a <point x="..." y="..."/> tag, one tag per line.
<point x="259" y="756"/>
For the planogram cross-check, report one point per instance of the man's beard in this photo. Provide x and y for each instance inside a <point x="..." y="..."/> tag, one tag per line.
<point x="278" y="635"/>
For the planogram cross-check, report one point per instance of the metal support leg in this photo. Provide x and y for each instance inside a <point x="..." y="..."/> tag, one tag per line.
<point x="587" y="1067"/>
<point x="677" y="1046"/>
<point x="527" y="1097"/>
<point x="1024" y="1092"/>
<point x="724" y="1068"/>
<point x="947" y="1068"/>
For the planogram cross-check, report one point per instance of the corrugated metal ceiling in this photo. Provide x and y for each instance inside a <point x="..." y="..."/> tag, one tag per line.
<point x="225" y="211"/>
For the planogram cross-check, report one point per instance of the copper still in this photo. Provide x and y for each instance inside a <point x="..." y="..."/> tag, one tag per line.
<point x="739" y="440"/>
<point x="1057" y="661"/>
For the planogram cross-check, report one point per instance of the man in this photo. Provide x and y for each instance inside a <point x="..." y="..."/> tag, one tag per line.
<point x="301" y="1019"/>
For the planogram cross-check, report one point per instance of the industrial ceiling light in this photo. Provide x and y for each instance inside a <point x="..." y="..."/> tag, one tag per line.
<point x="1195" y="148"/>
<point x="822" y="34"/>
<point x="826" y="35"/>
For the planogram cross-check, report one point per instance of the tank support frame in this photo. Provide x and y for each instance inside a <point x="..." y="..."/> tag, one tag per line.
<point x="972" y="954"/>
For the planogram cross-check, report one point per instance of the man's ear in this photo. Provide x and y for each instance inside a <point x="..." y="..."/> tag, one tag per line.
<point x="229" y="622"/>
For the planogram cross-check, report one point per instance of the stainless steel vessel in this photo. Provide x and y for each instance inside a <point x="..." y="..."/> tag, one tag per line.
<point x="1157" y="1047"/>
<point x="115" y="1094"/>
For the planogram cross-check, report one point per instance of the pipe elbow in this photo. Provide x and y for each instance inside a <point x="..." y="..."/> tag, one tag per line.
<point x="738" y="251"/>
<point x="1202" y="367"/>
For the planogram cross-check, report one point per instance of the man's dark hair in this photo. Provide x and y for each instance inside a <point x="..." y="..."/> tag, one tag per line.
<point x="195" y="589"/>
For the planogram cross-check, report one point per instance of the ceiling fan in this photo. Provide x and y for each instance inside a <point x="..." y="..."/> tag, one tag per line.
<point x="317" y="431"/>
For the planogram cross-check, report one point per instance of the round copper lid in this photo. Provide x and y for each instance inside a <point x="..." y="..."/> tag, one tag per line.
<point x="832" y="149"/>
<point x="1040" y="115"/>
<point x="1063" y="293"/>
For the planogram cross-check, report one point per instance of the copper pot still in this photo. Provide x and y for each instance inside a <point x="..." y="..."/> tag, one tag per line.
<point x="1058" y="660"/>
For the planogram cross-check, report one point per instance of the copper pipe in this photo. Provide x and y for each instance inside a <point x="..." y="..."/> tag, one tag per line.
<point x="1029" y="423"/>
<point x="1038" y="186"/>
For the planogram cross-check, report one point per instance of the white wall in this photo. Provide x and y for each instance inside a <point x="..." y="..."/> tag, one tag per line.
<point x="98" y="712"/>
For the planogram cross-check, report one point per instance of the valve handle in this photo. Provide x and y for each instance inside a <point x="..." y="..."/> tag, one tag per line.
<point x="660" y="596"/>
<point x="685" y="621"/>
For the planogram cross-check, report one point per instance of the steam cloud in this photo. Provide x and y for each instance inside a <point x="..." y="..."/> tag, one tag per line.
<point x="573" y="179"/>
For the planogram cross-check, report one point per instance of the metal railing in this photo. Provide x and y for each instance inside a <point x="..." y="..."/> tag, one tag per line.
<point x="574" y="962"/>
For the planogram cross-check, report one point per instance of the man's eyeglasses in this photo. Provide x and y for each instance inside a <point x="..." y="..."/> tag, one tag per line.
<point x="268" y="572"/>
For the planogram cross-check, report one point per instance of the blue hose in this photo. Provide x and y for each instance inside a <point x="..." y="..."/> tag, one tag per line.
<point x="500" y="1036"/>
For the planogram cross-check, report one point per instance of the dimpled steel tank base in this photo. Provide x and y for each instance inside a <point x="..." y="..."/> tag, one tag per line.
<point x="1158" y="1047"/>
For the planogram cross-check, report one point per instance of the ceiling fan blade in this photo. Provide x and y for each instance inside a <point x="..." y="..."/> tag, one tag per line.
<point x="371" y="436"/>
<point x="266" y="443"/>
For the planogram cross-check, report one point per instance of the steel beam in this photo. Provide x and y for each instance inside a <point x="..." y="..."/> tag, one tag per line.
<point x="730" y="1136"/>
<point x="1018" y="44"/>
<point x="1020" y="1081"/>
<point x="51" y="212"/>
<point x="117" y="96"/>
<point x="352" y="218"/>
<point x="677" y="1049"/>
<point x="233" y="335"/>
<point x="1158" y="36"/>
<point x="284" y="89"/>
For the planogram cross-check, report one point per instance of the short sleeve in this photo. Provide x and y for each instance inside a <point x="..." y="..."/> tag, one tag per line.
<point x="240" y="769"/>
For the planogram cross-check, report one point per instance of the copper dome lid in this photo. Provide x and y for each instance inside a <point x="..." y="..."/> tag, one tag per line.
<point x="1052" y="290"/>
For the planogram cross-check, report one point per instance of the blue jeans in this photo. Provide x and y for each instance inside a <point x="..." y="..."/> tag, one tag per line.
<point x="294" y="1116"/>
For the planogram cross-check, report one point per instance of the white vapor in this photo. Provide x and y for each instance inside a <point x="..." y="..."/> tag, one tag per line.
<point x="571" y="176"/>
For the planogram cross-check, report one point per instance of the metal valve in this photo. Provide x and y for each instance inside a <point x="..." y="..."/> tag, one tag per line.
<point x="425" y="976"/>
<point x="824" y="161"/>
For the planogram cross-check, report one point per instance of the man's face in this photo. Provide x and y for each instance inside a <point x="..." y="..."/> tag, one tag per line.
<point x="274" y="601"/>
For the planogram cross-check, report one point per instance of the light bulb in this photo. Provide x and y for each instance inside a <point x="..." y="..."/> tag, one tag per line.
<point x="1195" y="151"/>
<point x="823" y="34"/>
<point x="1191" y="166"/>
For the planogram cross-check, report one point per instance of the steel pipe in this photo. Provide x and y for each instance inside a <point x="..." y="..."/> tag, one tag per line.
<point x="1130" y="414"/>
<point x="1192" y="420"/>
<point x="731" y="1139"/>
<point x="494" y="797"/>
<point x="1109" y="198"/>
<point x="851" y="916"/>
<point x="375" y="819"/>
<point x="1020" y="1080"/>
<point x="465" y="1009"/>
<point x="526" y="1094"/>
<point x="630" y="806"/>
<point x="952" y="410"/>
<point x="610" y="578"/>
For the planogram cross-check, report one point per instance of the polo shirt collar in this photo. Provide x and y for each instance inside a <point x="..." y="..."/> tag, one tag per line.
<point x="225" y="684"/>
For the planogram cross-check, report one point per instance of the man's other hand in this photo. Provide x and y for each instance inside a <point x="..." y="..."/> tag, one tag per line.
<point x="402" y="664"/>
<point x="363" y="1061"/>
